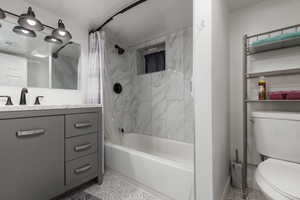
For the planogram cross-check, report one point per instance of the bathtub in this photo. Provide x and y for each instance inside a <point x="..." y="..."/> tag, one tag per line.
<point x="165" y="166"/>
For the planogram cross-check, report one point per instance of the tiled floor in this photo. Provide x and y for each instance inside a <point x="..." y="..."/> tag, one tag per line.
<point x="118" y="187"/>
<point x="80" y="195"/>
<point x="114" y="187"/>
<point x="235" y="194"/>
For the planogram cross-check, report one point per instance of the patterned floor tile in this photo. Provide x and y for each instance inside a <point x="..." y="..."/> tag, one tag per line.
<point x="235" y="194"/>
<point x="114" y="187"/>
<point x="80" y="196"/>
<point x="118" y="187"/>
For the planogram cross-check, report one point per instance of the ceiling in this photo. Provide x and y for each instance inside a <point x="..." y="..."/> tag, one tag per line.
<point x="237" y="4"/>
<point x="150" y="19"/>
<point x="90" y="12"/>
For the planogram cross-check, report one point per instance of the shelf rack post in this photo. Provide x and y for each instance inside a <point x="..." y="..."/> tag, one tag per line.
<point x="245" y="120"/>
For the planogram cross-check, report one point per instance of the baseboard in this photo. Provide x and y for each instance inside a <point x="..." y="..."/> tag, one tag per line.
<point x="226" y="189"/>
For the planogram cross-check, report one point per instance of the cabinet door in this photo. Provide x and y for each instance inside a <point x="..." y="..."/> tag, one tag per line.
<point x="31" y="158"/>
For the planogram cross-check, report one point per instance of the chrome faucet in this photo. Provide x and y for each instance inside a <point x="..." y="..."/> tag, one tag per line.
<point x="37" y="100"/>
<point x="8" y="100"/>
<point x="23" y="96"/>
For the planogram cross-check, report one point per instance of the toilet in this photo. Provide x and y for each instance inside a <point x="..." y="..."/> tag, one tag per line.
<point x="277" y="137"/>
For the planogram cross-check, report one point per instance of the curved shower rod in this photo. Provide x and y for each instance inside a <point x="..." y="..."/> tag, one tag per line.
<point x="118" y="13"/>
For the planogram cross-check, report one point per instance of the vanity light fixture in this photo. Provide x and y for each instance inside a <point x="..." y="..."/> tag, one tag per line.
<point x="23" y="31"/>
<point x="52" y="39"/>
<point x="61" y="32"/>
<point x="30" y="22"/>
<point x="2" y="14"/>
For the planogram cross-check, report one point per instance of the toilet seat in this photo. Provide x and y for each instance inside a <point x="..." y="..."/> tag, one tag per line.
<point x="279" y="180"/>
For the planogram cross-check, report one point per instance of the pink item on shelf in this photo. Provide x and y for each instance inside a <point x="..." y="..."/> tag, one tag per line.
<point x="278" y="95"/>
<point x="275" y="95"/>
<point x="293" y="95"/>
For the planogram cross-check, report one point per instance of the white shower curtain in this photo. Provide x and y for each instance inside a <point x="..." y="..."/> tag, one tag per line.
<point x="95" y="69"/>
<point x="96" y="65"/>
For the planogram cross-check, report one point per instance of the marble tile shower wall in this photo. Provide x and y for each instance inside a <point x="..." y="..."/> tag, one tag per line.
<point x="117" y="112"/>
<point x="162" y="103"/>
<point x="158" y="104"/>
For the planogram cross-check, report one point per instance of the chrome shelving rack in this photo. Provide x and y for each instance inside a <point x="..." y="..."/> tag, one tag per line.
<point x="249" y="50"/>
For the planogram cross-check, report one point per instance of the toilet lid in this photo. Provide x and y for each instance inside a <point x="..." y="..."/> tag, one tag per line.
<point x="282" y="176"/>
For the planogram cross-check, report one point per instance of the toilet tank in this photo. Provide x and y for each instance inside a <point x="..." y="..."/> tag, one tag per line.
<point x="277" y="134"/>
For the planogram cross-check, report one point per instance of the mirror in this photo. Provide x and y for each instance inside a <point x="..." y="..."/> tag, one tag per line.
<point x="65" y="61"/>
<point x="32" y="62"/>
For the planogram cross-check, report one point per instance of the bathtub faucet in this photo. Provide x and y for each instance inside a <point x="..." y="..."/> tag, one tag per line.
<point x="122" y="131"/>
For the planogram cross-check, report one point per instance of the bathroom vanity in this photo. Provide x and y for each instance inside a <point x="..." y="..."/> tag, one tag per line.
<point x="48" y="150"/>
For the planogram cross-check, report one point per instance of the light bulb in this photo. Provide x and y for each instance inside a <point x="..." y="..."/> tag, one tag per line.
<point x="25" y="31"/>
<point x="31" y="22"/>
<point x="62" y="33"/>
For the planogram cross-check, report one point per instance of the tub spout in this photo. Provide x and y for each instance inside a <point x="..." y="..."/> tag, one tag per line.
<point x="122" y="131"/>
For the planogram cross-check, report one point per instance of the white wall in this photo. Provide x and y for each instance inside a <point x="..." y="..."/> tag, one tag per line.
<point x="80" y="35"/>
<point x="211" y="98"/>
<point x="203" y="99"/>
<point x="220" y="97"/>
<point x="264" y="16"/>
<point x="13" y="70"/>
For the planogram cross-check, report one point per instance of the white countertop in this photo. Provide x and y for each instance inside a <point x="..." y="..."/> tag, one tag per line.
<point x="46" y="107"/>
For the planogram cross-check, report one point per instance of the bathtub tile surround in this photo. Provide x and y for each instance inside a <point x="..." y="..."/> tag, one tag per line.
<point x="175" y="120"/>
<point x="158" y="104"/>
<point x="170" y="96"/>
<point x="187" y="49"/>
<point x="189" y="119"/>
<point x="170" y="118"/>
<point x="118" y="106"/>
<point x="174" y="53"/>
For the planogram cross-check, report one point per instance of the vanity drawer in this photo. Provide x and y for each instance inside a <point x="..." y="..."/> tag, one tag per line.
<point x="80" y="124"/>
<point x="81" y="170"/>
<point x="81" y="146"/>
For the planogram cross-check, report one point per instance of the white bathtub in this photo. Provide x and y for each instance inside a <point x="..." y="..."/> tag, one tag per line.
<point x="165" y="166"/>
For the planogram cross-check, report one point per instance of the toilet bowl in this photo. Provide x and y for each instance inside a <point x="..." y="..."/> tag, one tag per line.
<point x="279" y="180"/>
<point x="277" y="137"/>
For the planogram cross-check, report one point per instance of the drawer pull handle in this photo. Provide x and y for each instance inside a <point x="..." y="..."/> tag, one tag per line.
<point x="83" y="125"/>
<point x="83" y="169"/>
<point x="83" y="147"/>
<point x="30" y="133"/>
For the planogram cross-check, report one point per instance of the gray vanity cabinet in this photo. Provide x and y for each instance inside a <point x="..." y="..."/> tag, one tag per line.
<point x="44" y="153"/>
<point x="32" y="158"/>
